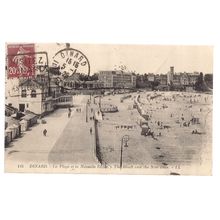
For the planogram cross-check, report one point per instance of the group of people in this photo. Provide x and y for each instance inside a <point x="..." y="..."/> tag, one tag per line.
<point x="196" y="132"/>
<point x="78" y="110"/>
<point x="70" y="111"/>
<point x="182" y="115"/>
<point x="125" y="127"/>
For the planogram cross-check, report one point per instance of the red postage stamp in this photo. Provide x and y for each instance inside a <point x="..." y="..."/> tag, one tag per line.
<point x="21" y="60"/>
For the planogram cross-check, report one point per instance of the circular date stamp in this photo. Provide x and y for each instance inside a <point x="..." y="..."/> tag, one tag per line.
<point x="70" y="61"/>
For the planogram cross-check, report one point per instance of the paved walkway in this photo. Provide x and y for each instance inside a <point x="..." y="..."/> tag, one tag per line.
<point x="76" y="145"/>
<point x="68" y="139"/>
<point x="33" y="146"/>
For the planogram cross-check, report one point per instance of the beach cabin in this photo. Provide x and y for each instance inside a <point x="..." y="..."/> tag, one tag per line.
<point x="14" y="126"/>
<point x="8" y="136"/>
<point x="24" y="125"/>
<point x="30" y="118"/>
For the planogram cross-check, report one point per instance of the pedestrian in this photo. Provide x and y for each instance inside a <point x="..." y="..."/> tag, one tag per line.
<point x="90" y="130"/>
<point x="45" y="132"/>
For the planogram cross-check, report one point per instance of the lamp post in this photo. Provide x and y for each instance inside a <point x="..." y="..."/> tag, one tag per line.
<point x="100" y="101"/>
<point x="124" y="143"/>
<point x="86" y="111"/>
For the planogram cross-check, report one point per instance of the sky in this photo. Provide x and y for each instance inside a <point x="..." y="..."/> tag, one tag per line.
<point x="140" y="58"/>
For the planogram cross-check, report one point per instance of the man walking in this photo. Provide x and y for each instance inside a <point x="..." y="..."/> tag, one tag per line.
<point x="69" y="113"/>
<point x="45" y="132"/>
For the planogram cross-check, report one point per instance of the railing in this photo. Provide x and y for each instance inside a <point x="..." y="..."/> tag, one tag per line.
<point x="97" y="143"/>
<point x="66" y="100"/>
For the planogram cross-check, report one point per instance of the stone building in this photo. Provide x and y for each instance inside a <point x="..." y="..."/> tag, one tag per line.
<point x="117" y="79"/>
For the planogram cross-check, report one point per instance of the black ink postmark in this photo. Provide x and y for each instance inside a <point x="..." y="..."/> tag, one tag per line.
<point x="70" y="62"/>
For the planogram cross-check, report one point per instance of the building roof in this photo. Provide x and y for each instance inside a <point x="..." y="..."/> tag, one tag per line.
<point x="11" y="121"/>
<point x="72" y="78"/>
<point x="29" y="116"/>
<point x="115" y="72"/>
<point x="30" y="83"/>
<point x="93" y="82"/>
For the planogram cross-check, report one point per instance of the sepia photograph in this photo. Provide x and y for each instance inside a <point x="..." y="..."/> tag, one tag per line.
<point x="108" y="108"/>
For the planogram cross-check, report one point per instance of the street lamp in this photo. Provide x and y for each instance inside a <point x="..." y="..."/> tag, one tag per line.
<point x="100" y="101"/>
<point x="86" y="111"/>
<point x="124" y="143"/>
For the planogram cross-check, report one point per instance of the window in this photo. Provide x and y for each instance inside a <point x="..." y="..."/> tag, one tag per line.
<point x="23" y="93"/>
<point x="33" y="93"/>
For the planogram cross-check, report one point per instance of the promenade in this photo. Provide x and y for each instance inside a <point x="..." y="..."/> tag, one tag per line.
<point x="76" y="145"/>
<point x="68" y="140"/>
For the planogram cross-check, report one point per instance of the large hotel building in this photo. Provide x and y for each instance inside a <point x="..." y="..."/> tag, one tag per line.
<point x="117" y="79"/>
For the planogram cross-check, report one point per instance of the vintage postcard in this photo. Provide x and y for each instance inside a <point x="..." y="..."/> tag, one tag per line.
<point x="102" y="108"/>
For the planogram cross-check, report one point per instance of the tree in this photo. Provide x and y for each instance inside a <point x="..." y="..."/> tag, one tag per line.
<point x="94" y="76"/>
<point x="172" y="87"/>
<point x="208" y="79"/>
<point x="154" y="84"/>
